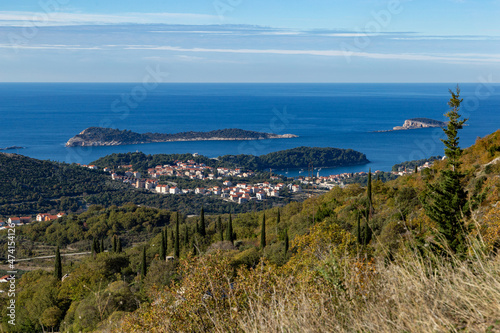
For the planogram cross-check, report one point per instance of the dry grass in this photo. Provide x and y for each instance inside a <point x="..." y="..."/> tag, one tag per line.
<point x="410" y="295"/>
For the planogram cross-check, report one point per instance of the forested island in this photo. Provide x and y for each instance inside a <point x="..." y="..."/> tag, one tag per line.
<point x="99" y="136"/>
<point x="299" y="157"/>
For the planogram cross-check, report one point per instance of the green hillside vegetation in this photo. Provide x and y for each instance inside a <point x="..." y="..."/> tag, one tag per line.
<point x="29" y="186"/>
<point x="415" y="254"/>
<point x="327" y="263"/>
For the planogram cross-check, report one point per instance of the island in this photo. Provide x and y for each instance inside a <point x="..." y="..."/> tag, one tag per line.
<point x="415" y="123"/>
<point x="300" y="157"/>
<point x="99" y="136"/>
<point x="12" y="148"/>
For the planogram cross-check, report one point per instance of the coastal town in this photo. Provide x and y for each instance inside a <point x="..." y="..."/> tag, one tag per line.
<point x="239" y="192"/>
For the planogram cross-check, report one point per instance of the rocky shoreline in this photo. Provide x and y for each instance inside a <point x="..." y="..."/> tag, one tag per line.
<point x="416" y="123"/>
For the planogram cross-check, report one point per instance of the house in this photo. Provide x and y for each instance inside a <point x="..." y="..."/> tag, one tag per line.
<point x="296" y="188"/>
<point x="162" y="188"/>
<point x="25" y="219"/>
<point x="199" y="190"/>
<point x="216" y="190"/>
<point x="5" y="278"/>
<point x="260" y="195"/>
<point x="227" y="183"/>
<point x="48" y="217"/>
<point x="174" y="190"/>
<point x="242" y="200"/>
<point x="14" y="220"/>
<point x="93" y="167"/>
<point x="137" y="174"/>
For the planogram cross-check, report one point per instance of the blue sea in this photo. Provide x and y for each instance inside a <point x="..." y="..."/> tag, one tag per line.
<point x="43" y="116"/>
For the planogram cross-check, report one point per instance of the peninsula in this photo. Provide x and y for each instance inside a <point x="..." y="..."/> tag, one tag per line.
<point x="99" y="136"/>
<point x="419" y="123"/>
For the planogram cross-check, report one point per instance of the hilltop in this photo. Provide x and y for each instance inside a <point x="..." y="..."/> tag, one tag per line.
<point x="99" y="136"/>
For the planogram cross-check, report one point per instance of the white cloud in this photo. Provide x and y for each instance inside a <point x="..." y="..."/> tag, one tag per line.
<point x="469" y="58"/>
<point x="11" y="18"/>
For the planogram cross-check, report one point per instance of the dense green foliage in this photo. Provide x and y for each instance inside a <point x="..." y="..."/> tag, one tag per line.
<point x="291" y="158"/>
<point x="446" y="199"/>
<point x="299" y="157"/>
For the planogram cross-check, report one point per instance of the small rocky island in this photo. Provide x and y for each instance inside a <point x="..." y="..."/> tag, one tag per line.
<point x="419" y="123"/>
<point x="99" y="136"/>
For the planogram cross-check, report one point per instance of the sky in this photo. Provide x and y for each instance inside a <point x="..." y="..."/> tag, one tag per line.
<point x="250" y="41"/>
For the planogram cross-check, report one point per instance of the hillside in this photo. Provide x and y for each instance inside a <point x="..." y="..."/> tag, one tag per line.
<point x="99" y="136"/>
<point x="29" y="186"/>
<point x="315" y="252"/>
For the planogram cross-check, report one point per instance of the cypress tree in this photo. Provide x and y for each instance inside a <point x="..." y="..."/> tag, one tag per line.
<point x="177" y="250"/>
<point x="143" y="263"/>
<point x="119" y="246"/>
<point x="367" y="236"/>
<point x="102" y="245"/>
<point x="445" y="200"/>
<point x="162" y="247"/>
<point x="186" y="234"/>
<point x="219" y="227"/>
<point x="165" y="244"/>
<point x="263" y="232"/>
<point x="286" y="241"/>
<point x="93" y="250"/>
<point x="229" y="230"/>
<point x="203" y="230"/>
<point x="115" y="244"/>
<point x="278" y="219"/>
<point x="172" y="238"/>
<point x="416" y="168"/>
<point x="97" y="246"/>
<point x="369" y="190"/>
<point x="359" y="229"/>
<point x="58" y="265"/>
<point x="194" y="250"/>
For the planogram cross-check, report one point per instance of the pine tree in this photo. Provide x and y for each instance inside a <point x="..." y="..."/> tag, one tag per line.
<point x="263" y="232"/>
<point x="219" y="227"/>
<point x="177" y="250"/>
<point x="162" y="247"/>
<point x="229" y="230"/>
<point x="119" y="246"/>
<point x="144" y="267"/>
<point x="286" y="241"/>
<point x="202" y="230"/>
<point x="58" y="265"/>
<point x="445" y="200"/>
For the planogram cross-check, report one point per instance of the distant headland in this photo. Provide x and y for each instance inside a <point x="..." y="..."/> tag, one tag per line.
<point x="99" y="136"/>
<point x="416" y="123"/>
